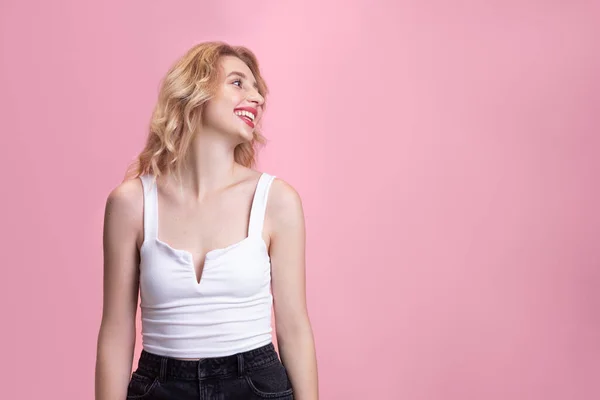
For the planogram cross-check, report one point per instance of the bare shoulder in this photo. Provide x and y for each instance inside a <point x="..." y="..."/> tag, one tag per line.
<point x="285" y="204"/>
<point x="126" y="199"/>
<point x="125" y="206"/>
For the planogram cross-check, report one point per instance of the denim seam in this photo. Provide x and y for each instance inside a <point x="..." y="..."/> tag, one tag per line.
<point x="260" y="393"/>
<point x="262" y="364"/>
<point x="147" y="391"/>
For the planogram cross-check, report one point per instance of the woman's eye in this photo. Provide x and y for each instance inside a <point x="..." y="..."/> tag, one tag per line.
<point x="237" y="82"/>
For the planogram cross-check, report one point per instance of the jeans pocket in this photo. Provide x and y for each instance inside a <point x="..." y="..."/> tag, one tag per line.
<point x="270" y="382"/>
<point x="141" y="386"/>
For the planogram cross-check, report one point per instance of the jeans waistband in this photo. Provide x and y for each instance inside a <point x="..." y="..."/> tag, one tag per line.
<point x="167" y="367"/>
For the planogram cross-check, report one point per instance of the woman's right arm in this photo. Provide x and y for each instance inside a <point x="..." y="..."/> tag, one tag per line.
<point x="123" y="222"/>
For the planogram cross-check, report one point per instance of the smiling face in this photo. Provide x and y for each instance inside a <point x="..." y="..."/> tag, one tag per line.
<point x="236" y="108"/>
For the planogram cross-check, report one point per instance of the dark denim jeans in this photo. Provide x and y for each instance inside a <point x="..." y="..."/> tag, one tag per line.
<point x="255" y="374"/>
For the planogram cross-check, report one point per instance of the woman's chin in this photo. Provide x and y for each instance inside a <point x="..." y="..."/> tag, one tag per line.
<point x="246" y="135"/>
<point x="239" y="135"/>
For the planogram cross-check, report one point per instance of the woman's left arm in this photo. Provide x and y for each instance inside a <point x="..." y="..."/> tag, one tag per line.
<point x="287" y="251"/>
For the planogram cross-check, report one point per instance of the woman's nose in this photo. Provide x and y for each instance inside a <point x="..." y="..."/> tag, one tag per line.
<point x="256" y="97"/>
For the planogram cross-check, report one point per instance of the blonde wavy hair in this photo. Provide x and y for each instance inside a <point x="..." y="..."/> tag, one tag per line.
<point x="188" y="85"/>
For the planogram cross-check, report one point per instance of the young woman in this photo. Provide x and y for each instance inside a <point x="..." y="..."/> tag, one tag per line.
<point x="211" y="244"/>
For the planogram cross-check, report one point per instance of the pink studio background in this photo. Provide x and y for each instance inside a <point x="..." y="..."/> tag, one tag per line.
<point x="446" y="153"/>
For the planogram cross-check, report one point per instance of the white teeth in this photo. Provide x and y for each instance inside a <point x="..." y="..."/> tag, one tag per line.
<point x="245" y="114"/>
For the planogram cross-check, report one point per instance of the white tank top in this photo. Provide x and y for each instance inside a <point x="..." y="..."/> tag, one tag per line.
<point x="228" y="312"/>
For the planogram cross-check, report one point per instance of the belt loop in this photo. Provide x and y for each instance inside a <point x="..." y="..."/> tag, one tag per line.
<point x="240" y="362"/>
<point x="163" y="369"/>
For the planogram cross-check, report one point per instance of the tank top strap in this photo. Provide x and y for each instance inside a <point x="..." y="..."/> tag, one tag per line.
<point x="259" y="205"/>
<point x="150" y="206"/>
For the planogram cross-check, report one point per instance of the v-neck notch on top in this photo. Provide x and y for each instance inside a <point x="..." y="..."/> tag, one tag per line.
<point x="254" y="231"/>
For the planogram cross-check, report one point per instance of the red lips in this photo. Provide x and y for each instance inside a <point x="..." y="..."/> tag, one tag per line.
<point x="247" y="120"/>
